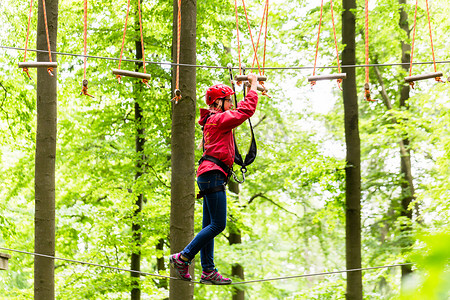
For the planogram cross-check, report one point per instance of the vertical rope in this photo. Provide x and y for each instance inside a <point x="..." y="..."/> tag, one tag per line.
<point x="431" y="36"/>
<point x="178" y="45"/>
<point x="123" y="38"/>
<point x="251" y="36"/>
<point x="237" y="34"/>
<point x="49" y="69"/>
<point x="26" y="39"/>
<point x="265" y="36"/>
<point x="367" y="41"/>
<point x="335" y="44"/>
<point x="28" y="31"/>
<point x="412" y="43"/>
<point x="335" y="39"/>
<point x="366" y="25"/>
<point x="263" y="18"/>
<point x="85" y="38"/>
<point x="145" y="81"/>
<point x="318" y="38"/>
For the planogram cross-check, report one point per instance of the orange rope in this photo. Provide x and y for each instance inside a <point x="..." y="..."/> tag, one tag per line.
<point x="251" y="36"/>
<point x="26" y="40"/>
<point x="367" y="40"/>
<point x="85" y="38"/>
<point x="145" y="81"/>
<point x="177" y="93"/>
<point x="335" y="44"/>
<point x="123" y="39"/>
<point x="263" y="19"/>
<point x="49" y="69"/>
<point x="366" y="85"/>
<point x="84" y="89"/>
<point x="237" y="34"/>
<point x="431" y="42"/>
<point x="412" y="43"/>
<point x="178" y="44"/>
<point x="265" y="36"/>
<point x="317" y="43"/>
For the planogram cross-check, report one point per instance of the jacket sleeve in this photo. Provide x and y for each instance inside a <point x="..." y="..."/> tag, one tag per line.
<point x="245" y="109"/>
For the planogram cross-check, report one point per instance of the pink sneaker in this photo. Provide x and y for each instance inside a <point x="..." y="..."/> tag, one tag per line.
<point x="214" y="277"/>
<point x="180" y="266"/>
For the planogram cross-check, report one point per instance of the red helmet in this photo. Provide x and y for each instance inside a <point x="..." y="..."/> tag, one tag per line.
<point x="217" y="91"/>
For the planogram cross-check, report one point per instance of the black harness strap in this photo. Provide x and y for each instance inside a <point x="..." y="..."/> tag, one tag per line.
<point x="215" y="189"/>
<point x="218" y="162"/>
<point x="251" y="154"/>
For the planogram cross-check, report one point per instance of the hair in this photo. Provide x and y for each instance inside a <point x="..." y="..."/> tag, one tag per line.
<point x="215" y="105"/>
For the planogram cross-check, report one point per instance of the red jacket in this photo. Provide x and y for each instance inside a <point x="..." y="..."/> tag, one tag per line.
<point x="217" y="132"/>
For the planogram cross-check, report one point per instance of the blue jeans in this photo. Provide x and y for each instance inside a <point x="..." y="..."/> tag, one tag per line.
<point x="214" y="220"/>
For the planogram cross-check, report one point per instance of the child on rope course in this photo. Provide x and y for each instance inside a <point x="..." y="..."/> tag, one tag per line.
<point x="212" y="175"/>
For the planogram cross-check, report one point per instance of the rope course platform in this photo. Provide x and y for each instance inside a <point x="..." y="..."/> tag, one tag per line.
<point x="197" y="282"/>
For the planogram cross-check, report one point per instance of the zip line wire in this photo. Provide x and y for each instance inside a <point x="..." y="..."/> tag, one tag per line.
<point x="225" y="67"/>
<point x="234" y="283"/>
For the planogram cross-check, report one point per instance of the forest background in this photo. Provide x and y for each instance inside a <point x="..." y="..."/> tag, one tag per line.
<point x="290" y="212"/>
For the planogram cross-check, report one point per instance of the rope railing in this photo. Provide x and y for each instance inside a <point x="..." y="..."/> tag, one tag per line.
<point x="175" y="278"/>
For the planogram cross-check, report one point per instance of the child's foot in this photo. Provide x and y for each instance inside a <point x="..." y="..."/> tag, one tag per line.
<point x="213" y="277"/>
<point x="181" y="267"/>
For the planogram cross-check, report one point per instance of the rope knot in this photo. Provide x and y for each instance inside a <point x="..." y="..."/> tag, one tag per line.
<point x="177" y="96"/>
<point x="84" y="89"/>
<point x="26" y="71"/>
<point x="50" y="71"/>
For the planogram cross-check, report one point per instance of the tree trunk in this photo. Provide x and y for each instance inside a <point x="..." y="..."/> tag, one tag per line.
<point x="405" y="153"/>
<point x="160" y="265"/>
<point x="140" y="142"/>
<point x="182" y="143"/>
<point x="235" y="237"/>
<point x="353" y="168"/>
<point x="44" y="268"/>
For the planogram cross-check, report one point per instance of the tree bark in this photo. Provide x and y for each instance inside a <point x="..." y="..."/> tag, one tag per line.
<point x="353" y="156"/>
<point x="182" y="143"/>
<point x="44" y="268"/>
<point x="139" y="146"/>
<point x="235" y="237"/>
<point x="407" y="184"/>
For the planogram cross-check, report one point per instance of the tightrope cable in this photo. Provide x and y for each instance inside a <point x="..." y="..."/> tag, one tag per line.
<point x="234" y="283"/>
<point x="225" y="67"/>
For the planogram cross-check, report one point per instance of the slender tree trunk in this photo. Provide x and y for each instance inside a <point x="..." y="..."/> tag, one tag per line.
<point x="160" y="265"/>
<point x="182" y="143"/>
<point x="237" y="270"/>
<point x="140" y="142"/>
<point x="353" y="168"/>
<point x="405" y="153"/>
<point x="44" y="268"/>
